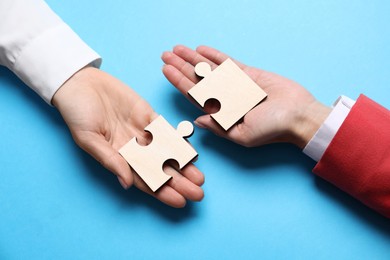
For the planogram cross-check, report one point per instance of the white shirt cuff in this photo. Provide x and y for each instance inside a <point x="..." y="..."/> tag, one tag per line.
<point x="322" y="138"/>
<point x="52" y="58"/>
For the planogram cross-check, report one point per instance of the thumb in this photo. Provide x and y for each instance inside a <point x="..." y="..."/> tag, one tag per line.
<point x="109" y="158"/>
<point x="207" y="122"/>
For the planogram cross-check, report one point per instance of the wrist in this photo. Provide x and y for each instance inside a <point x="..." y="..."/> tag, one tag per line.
<point x="309" y="120"/>
<point x="72" y="84"/>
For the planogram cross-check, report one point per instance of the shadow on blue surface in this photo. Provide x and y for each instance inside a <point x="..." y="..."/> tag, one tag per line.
<point x="284" y="154"/>
<point x="133" y="196"/>
<point x="366" y="215"/>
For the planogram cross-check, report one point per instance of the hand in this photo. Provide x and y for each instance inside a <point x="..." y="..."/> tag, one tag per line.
<point x="103" y="114"/>
<point x="289" y="113"/>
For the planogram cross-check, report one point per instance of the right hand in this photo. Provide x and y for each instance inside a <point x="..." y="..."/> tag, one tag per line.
<point x="102" y="114"/>
<point x="289" y="113"/>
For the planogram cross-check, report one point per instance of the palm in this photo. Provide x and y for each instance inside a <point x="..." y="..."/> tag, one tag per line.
<point x="274" y="114"/>
<point x="103" y="114"/>
<point x="271" y="121"/>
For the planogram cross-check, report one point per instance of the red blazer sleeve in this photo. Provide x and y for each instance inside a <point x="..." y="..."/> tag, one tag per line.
<point x="358" y="158"/>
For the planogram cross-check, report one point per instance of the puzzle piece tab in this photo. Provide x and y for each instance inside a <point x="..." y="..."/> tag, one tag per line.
<point x="168" y="143"/>
<point x="233" y="88"/>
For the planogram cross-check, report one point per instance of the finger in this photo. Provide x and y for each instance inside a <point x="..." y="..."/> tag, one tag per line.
<point x="191" y="56"/>
<point x="193" y="174"/>
<point x="181" y="82"/>
<point x="181" y="65"/>
<point x="102" y="151"/>
<point x="183" y="186"/>
<point x="207" y="122"/>
<point x="177" y="190"/>
<point x="165" y="194"/>
<point x="216" y="56"/>
<point x="171" y="197"/>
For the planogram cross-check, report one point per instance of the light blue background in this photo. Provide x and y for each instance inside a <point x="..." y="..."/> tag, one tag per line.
<point x="263" y="203"/>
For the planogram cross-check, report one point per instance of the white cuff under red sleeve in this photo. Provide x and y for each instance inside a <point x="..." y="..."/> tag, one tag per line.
<point x="322" y="138"/>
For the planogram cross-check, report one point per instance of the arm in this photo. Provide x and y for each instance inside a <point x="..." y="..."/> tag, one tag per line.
<point x="357" y="158"/>
<point x="40" y="48"/>
<point x="101" y="112"/>
<point x="291" y="114"/>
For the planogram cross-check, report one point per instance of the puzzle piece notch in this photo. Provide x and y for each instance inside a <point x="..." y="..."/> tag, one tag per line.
<point x="167" y="144"/>
<point x="236" y="92"/>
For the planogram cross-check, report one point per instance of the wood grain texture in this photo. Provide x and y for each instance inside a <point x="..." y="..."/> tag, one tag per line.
<point x="232" y="87"/>
<point x="168" y="143"/>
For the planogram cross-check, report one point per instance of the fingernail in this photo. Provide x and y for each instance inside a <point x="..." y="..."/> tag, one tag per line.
<point x="165" y="54"/>
<point x="123" y="184"/>
<point x="199" y="124"/>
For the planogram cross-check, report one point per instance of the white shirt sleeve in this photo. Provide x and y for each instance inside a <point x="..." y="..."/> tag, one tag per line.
<point x="39" y="47"/>
<point x="322" y="138"/>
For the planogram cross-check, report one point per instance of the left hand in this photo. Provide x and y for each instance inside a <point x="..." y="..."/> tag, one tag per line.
<point x="103" y="114"/>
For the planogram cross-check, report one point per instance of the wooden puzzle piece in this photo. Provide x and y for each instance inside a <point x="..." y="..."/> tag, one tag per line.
<point x="168" y="143"/>
<point x="233" y="88"/>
